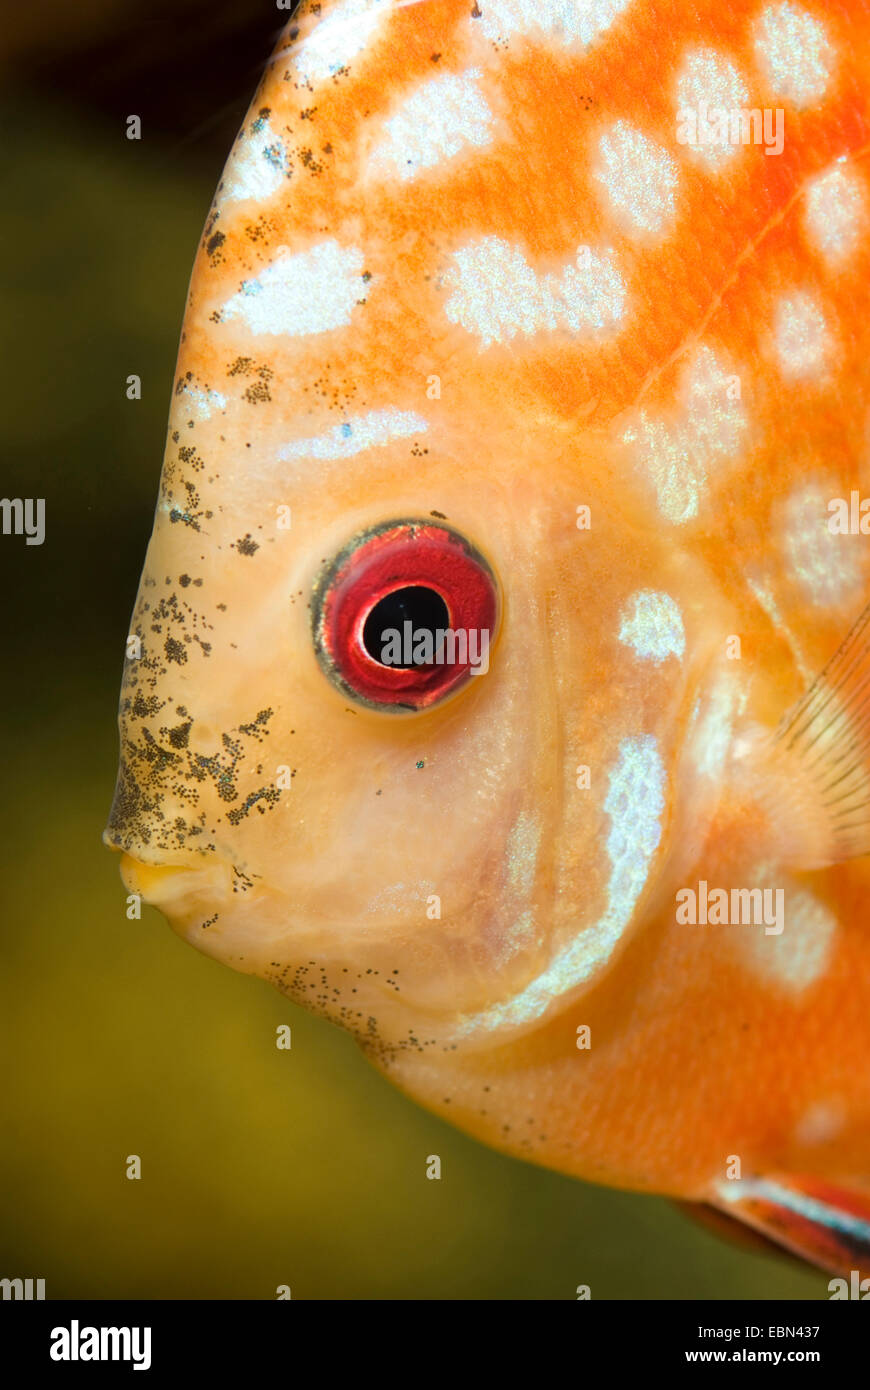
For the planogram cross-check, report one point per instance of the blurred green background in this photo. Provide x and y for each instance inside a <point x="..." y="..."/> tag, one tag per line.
<point x="259" y="1167"/>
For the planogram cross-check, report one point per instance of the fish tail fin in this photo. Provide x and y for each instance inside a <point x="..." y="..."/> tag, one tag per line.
<point x="821" y="1222"/>
<point x="815" y="769"/>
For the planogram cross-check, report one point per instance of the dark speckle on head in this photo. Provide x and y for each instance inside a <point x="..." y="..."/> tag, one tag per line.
<point x="188" y="455"/>
<point x="261" y="230"/>
<point x="261" y="799"/>
<point x="179" y="736"/>
<point x="260" y="375"/>
<point x="247" y="545"/>
<point x="143" y="706"/>
<point x="188" y="510"/>
<point x="166" y="770"/>
<point x="310" y="161"/>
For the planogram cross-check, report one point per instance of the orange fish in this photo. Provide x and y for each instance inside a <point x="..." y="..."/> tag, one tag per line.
<point x="497" y="686"/>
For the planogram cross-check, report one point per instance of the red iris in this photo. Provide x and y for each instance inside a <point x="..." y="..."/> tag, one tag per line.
<point x="405" y="615"/>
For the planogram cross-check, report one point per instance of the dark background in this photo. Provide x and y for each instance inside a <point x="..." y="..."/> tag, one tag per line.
<point x="259" y="1167"/>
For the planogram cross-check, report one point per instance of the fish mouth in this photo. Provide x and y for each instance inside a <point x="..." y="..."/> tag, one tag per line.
<point x="176" y="889"/>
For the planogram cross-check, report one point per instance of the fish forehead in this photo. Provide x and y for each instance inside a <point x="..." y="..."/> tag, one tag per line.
<point x="535" y="154"/>
<point x="545" y="256"/>
<point x="538" y="283"/>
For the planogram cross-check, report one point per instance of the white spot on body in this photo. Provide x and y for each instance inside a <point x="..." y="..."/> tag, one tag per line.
<point x="521" y="855"/>
<point x="395" y="900"/>
<point x="338" y="38"/>
<point x="761" y="589"/>
<point x="676" y="453"/>
<point x="712" y="728"/>
<point x="825" y="566"/>
<point x="708" y="83"/>
<point x="570" y="22"/>
<point x="639" y="177"/>
<point x="653" y="627"/>
<point x="441" y="118"/>
<point x="835" y="212"/>
<point x="520" y="936"/>
<point x="793" y="51"/>
<point x="799" y="955"/>
<point x="258" y="167"/>
<point x="204" y="402"/>
<point x="308" y="293"/>
<point x="635" y="801"/>
<point x="820" y="1123"/>
<point x="521" y="852"/>
<point x="801" y="337"/>
<point x="370" y="431"/>
<point x="496" y="293"/>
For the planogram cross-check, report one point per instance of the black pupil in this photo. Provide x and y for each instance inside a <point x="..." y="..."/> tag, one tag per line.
<point x="423" y="608"/>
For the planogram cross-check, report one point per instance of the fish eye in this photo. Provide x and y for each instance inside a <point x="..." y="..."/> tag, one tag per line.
<point x="405" y="615"/>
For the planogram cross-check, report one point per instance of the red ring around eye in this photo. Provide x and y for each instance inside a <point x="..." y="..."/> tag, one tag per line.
<point x="376" y="585"/>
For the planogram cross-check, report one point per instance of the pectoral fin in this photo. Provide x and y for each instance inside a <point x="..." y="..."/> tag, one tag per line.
<point x="812" y="776"/>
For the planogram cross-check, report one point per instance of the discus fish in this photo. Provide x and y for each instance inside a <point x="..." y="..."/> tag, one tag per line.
<point x="497" y="683"/>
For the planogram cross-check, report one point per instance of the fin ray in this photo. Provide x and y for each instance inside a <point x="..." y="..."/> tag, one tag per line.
<point x="825" y="1224"/>
<point x="812" y="775"/>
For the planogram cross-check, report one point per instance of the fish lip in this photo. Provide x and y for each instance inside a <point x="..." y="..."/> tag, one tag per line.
<point x="179" y="887"/>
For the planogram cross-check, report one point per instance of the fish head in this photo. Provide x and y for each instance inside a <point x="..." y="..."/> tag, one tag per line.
<point x="378" y="403"/>
<point x="415" y="859"/>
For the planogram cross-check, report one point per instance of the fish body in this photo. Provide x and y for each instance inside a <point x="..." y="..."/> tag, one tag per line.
<point x="555" y="311"/>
